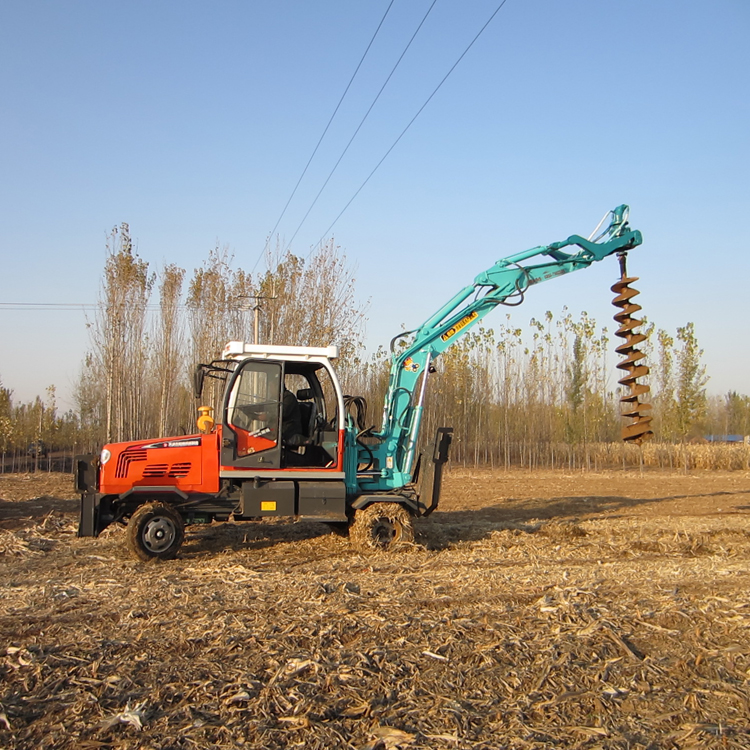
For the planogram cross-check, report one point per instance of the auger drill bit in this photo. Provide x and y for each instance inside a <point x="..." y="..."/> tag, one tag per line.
<point x="640" y="428"/>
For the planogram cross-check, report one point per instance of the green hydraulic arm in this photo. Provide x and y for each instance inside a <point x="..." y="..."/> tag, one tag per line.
<point x="506" y="282"/>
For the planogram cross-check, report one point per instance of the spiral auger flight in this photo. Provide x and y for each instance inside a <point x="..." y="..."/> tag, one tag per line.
<point x="635" y="409"/>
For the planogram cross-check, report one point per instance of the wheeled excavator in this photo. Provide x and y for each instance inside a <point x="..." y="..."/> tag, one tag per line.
<point x="290" y="443"/>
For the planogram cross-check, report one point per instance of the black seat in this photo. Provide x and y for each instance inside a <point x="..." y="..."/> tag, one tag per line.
<point x="308" y="411"/>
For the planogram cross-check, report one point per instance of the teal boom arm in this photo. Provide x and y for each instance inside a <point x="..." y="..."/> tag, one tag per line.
<point x="393" y="456"/>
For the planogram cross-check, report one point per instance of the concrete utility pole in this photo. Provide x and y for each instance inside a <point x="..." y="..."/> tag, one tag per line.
<point x="256" y="308"/>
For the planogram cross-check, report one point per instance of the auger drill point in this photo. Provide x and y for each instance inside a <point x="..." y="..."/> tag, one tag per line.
<point x="639" y="429"/>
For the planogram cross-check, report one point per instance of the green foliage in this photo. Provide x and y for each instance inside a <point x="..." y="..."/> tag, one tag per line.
<point x="736" y="414"/>
<point x="690" y="390"/>
<point x="6" y="418"/>
<point x="34" y="423"/>
<point x="663" y="388"/>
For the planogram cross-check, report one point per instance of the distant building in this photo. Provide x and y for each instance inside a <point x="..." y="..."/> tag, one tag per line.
<point x="728" y="439"/>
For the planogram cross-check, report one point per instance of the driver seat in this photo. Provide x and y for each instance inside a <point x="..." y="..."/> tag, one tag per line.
<point x="308" y="411"/>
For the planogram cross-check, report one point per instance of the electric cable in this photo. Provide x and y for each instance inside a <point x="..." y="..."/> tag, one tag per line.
<point x="320" y="140"/>
<point x="78" y="306"/>
<point x="71" y="306"/>
<point x="48" y="306"/>
<point x="83" y="306"/>
<point x="411" y="122"/>
<point x="362" y="122"/>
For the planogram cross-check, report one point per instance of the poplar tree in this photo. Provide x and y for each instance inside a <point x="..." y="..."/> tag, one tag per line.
<point x="663" y="388"/>
<point x="736" y="409"/>
<point x="6" y="421"/>
<point x="214" y="305"/>
<point x="118" y="336"/>
<point x="169" y="356"/>
<point x="691" y="381"/>
<point x="312" y="301"/>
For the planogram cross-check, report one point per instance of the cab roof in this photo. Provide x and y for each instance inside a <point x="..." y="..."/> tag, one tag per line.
<point x="241" y="350"/>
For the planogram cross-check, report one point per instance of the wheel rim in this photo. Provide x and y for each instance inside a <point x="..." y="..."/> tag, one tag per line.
<point x="158" y="534"/>
<point x="384" y="532"/>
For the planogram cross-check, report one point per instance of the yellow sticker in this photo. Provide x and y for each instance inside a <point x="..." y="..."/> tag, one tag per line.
<point x="454" y="329"/>
<point x="268" y="505"/>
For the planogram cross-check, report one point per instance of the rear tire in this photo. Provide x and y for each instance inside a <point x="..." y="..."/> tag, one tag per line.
<point x="383" y="526"/>
<point x="155" y="532"/>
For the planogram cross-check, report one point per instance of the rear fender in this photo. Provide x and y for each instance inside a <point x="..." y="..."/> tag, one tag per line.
<point x="160" y="492"/>
<point x="363" y="501"/>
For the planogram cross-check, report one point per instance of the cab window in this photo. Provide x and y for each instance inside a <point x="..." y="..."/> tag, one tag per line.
<point x="253" y="407"/>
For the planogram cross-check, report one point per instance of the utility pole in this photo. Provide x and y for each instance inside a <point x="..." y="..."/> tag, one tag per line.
<point x="256" y="308"/>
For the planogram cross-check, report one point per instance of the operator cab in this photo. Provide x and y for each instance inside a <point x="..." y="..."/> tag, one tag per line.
<point x="282" y="408"/>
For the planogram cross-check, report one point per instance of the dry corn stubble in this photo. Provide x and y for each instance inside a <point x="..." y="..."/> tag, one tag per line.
<point x="576" y="611"/>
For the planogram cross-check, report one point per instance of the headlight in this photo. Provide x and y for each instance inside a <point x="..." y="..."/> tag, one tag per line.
<point x="105" y="456"/>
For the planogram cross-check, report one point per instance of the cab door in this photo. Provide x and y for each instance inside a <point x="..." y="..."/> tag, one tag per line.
<point x="252" y="416"/>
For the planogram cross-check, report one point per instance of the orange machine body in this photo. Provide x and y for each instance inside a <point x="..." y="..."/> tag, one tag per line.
<point x="189" y="462"/>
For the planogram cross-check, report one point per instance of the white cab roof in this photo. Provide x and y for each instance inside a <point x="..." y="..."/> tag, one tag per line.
<point x="241" y="350"/>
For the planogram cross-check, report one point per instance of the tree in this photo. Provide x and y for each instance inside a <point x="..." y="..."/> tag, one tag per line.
<point x="663" y="388"/>
<point x="214" y="303"/>
<point x="118" y="336"/>
<point x="736" y="414"/>
<point x="6" y="421"/>
<point x="91" y="402"/>
<point x="691" y="382"/>
<point x="312" y="301"/>
<point x="215" y="315"/>
<point x="168" y="356"/>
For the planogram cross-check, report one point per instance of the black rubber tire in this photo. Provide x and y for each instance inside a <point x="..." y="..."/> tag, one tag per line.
<point x="155" y="532"/>
<point x="383" y="526"/>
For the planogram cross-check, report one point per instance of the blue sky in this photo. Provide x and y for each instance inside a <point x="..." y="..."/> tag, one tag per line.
<point x="192" y="121"/>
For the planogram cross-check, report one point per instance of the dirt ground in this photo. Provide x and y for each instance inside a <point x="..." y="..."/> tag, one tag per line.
<point x="547" y="610"/>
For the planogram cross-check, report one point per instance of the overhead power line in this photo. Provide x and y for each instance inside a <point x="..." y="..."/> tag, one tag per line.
<point x="47" y="306"/>
<point x="320" y="140"/>
<point x="411" y="122"/>
<point x="362" y="122"/>
<point x="78" y="306"/>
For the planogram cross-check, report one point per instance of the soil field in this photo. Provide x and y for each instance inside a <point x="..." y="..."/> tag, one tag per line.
<point x="548" y="610"/>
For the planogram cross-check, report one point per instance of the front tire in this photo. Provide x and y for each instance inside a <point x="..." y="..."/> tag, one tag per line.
<point x="155" y="532"/>
<point x="382" y="526"/>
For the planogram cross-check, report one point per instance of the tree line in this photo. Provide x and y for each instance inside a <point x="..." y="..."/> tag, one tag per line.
<point x="543" y="395"/>
<point x="153" y="327"/>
